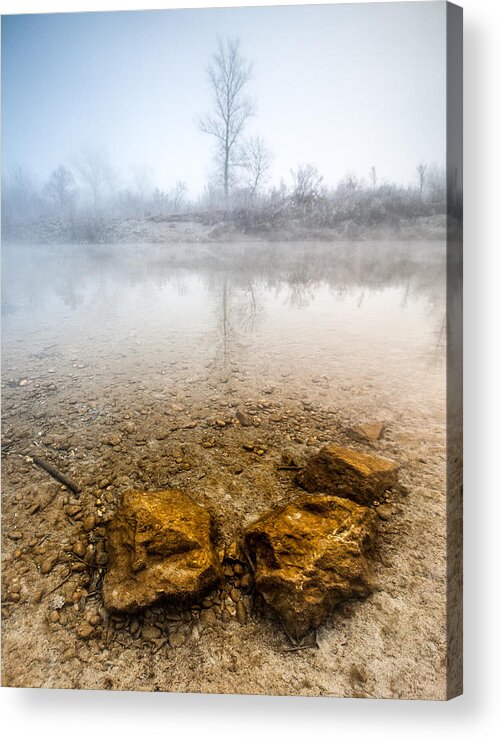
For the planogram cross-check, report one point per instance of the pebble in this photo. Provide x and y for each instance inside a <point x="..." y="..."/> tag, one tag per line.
<point x="85" y="630"/>
<point x="246" y="580"/>
<point x="208" y="618"/>
<point x="48" y="563"/>
<point x="245" y="419"/>
<point x="241" y="612"/>
<point x="149" y="632"/>
<point x="79" y="549"/>
<point x="235" y="595"/>
<point x="89" y="523"/>
<point x="385" y="511"/>
<point x="101" y="558"/>
<point x="176" y="639"/>
<point x="54" y="616"/>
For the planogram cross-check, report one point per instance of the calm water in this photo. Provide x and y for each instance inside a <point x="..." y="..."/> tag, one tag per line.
<point x="348" y="314"/>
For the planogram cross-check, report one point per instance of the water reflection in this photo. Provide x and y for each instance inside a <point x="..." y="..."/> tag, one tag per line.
<point x="303" y="302"/>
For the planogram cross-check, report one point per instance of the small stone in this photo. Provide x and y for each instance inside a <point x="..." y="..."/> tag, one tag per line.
<point x="79" y="549"/>
<point x="15" y="535"/>
<point x="245" y="419"/>
<point x="102" y="559"/>
<point x="371" y="432"/>
<point x="85" y="630"/>
<point x="235" y="595"/>
<point x="176" y="639"/>
<point x="54" y="616"/>
<point x="95" y="619"/>
<point x="246" y="580"/>
<point x="114" y="440"/>
<point x="72" y="509"/>
<point x="208" y="618"/>
<point x="134" y="626"/>
<point x="48" y="563"/>
<point x="385" y="511"/>
<point x="89" y="523"/>
<point x="149" y="632"/>
<point x="248" y="446"/>
<point x="241" y="612"/>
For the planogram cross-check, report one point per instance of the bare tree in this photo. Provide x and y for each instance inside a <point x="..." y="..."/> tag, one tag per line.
<point x="421" y="170"/>
<point x="228" y="74"/>
<point x="255" y="158"/>
<point x="307" y="184"/>
<point x="96" y="173"/>
<point x="61" y="186"/>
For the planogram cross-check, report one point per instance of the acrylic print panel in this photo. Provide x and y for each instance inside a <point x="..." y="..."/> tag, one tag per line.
<point x="231" y="367"/>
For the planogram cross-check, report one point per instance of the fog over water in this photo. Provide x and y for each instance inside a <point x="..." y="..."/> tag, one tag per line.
<point x="367" y="311"/>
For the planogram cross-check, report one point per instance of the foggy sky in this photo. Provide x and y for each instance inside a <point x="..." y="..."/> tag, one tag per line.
<point x="344" y="87"/>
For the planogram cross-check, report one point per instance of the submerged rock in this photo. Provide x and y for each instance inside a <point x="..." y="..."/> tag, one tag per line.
<point x="159" y="547"/>
<point x="346" y="472"/>
<point x="370" y="432"/>
<point x="311" y="555"/>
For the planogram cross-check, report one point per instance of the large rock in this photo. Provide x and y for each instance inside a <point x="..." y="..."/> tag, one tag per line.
<point x="346" y="472"/>
<point x="160" y="547"/>
<point x="309" y="556"/>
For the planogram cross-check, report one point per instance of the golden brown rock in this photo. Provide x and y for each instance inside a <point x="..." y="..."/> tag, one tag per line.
<point x="343" y="471"/>
<point x="309" y="556"/>
<point x="159" y="547"/>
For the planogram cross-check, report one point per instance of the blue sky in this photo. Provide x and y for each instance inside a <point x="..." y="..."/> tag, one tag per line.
<point x="343" y="86"/>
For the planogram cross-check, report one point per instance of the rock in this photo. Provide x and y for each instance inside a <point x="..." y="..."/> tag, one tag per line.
<point x="48" y="563"/>
<point x="114" y="440"/>
<point x="79" y="549"/>
<point x="208" y="618"/>
<point x="176" y="639"/>
<point x="235" y="595"/>
<point x="241" y="612"/>
<point x="246" y="581"/>
<point x="371" y="432"/>
<point x="102" y="559"/>
<point x="244" y="419"/>
<point x="309" y="556"/>
<point x="159" y="546"/>
<point x="89" y="523"/>
<point x="150" y="632"/>
<point x="85" y="630"/>
<point x="343" y="471"/>
<point x="385" y="511"/>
